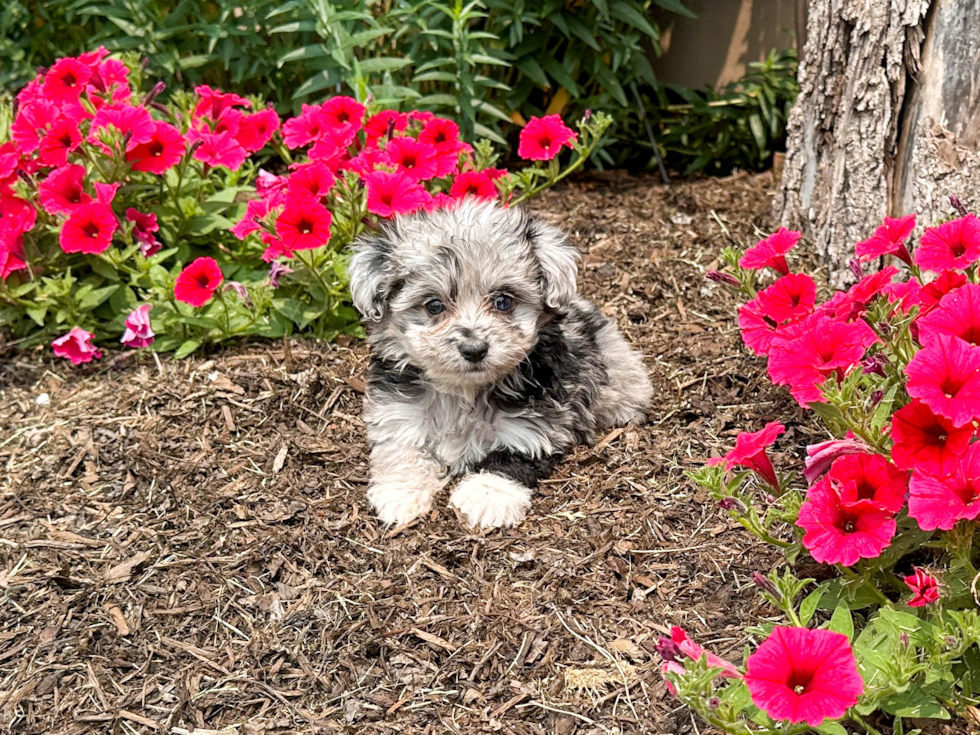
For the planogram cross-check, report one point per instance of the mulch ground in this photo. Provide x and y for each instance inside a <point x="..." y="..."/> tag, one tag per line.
<point x="186" y="547"/>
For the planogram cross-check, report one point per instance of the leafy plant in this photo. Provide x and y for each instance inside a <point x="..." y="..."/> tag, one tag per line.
<point x="124" y="217"/>
<point x="890" y="501"/>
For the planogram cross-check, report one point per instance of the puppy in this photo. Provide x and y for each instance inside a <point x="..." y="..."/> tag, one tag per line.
<point x="485" y="364"/>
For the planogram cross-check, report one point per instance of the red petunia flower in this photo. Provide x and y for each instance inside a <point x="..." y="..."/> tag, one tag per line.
<point x="274" y="248"/>
<point x="304" y="224"/>
<point x="76" y="346"/>
<point x="17" y="216"/>
<point x="804" y="675"/>
<point x="12" y="255"/>
<point x="932" y="293"/>
<point x="161" y="152"/>
<point x="311" y="180"/>
<point x="787" y="300"/>
<point x="257" y="129"/>
<point x="32" y="123"/>
<point x="385" y="124"/>
<point x="771" y="252"/>
<point x="390" y="194"/>
<point x="889" y="239"/>
<point x="89" y="229"/>
<point x="304" y="128"/>
<point x="66" y="80"/>
<point x="945" y="375"/>
<point x="416" y="159"/>
<point x="127" y="124"/>
<point x="750" y="452"/>
<point x="869" y="477"/>
<point x="255" y="210"/>
<point x="954" y="245"/>
<point x="62" y="192"/>
<point x="138" y="332"/>
<point x="196" y="284"/>
<point x="925" y="589"/>
<point x="809" y="352"/>
<point x="951" y="494"/>
<point x="839" y="531"/>
<point x="270" y="187"/>
<point x="683" y="644"/>
<point x="58" y="142"/>
<point x="923" y="440"/>
<point x="478" y="184"/>
<point x="543" y="138"/>
<point x="339" y="111"/>
<point x="441" y="134"/>
<point x="905" y="293"/>
<point x="221" y="149"/>
<point x="958" y="314"/>
<point x="213" y="103"/>
<point x="853" y="303"/>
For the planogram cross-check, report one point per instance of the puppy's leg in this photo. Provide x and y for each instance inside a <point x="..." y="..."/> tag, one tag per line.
<point x="403" y="482"/>
<point x="498" y="491"/>
<point x="626" y="395"/>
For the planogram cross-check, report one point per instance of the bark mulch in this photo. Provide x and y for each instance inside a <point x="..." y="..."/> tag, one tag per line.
<point x="186" y="547"/>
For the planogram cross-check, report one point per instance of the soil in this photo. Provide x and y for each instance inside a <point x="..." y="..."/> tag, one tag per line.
<point x="185" y="545"/>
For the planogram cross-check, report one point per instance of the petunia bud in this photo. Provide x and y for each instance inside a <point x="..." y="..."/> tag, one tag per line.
<point x="884" y="329"/>
<point x="957" y="205"/>
<point x="904" y="639"/>
<point x="765" y="584"/>
<point x="154" y="93"/>
<point x="276" y="271"/>
<point x="732" y="504"/>
<point x="239" y="289"/>
<point x="720" y="277"/>
<point x="874" y="364"/>
<point x="949" y="641"/>
<point x="855" y="265"/>
<point x="876" y="397"/>
<point x="714" y="702"/>
<point x="587" y="115"/>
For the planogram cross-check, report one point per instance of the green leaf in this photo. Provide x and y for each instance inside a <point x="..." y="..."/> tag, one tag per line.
<point x="93" y="298"/>
<point x="809" y="605"/>
<point x="633" y="18"/>
<point x="915" y="703"/>
<point x="841" y="621"/>
<point x="438" y="100"/>
<point x="675" y="6"/>
<point x="832" y="728"/>
<point x="187" y="348"/>
<point x="37" y="313"/>
<point x="382" y="64"/>
<point x="313" y="51"/>
<point x="532" y="69"/>
<point x="558" y="73"/>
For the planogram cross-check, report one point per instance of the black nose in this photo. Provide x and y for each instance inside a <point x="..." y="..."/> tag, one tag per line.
<point x="474" y="350"/>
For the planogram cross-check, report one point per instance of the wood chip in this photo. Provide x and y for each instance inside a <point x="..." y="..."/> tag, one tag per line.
<point x="280" y="459"/>
<point x="433" y="640"/>
<point x="119" y="620"/>
<point x="146" y="721"/>
<point x="122" y="571"/>
<point x="229" y="420"/>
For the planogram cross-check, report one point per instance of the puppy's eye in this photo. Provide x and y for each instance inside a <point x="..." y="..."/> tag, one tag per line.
<point x="434" y="307"/>
<point x="503" y="302"/>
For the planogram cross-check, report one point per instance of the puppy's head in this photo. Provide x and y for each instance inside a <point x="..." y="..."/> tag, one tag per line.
<point x="461" y="293"/>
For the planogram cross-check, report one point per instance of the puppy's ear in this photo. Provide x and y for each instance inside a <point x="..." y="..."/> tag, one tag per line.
<point x="372" y="275"/>
<point x="558" y="260"/>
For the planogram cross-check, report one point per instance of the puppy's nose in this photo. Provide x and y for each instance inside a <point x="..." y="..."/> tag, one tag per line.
<point x="474" y="350"/>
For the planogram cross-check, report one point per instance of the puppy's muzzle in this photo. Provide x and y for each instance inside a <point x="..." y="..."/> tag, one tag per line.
<point x="474" y="350"/>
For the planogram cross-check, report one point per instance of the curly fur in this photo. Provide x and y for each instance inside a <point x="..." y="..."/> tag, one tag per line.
<point x="555" y="371"/>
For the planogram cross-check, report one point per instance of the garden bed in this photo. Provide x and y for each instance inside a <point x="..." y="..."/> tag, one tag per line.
<point x="187" y="544"/>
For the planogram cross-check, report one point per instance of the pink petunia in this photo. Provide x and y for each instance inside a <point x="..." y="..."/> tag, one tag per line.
<point x="787" y="300"/>
<point x="933" y="292"/>
<point x="390" y="194"/>
<point x="869" y="477"/>
<point x="958" y="314"/>
<point x="32" y="123"/>
<point x="89" y="229"/>
<point x="138" y="332"/>
<point x="63" y="138"/>
<point x="945" y="375"/>
<point x="771" y="252"/>
<point x="144" y="227"/>
<point x="852" y="304"/>
<point x="197" y="282"/>
<point x="12" y="255"/>
<point x="340" y="111"/>
<point x="843" y="531"/>
<point x="66" y="80"/>
<point x="543" y="138"/>
<point x="925" y="589"/>
<point x="923" y="440"/>
<point x="750" y="452"/>
<point x="255" y="210"/>
<point x="951" y="494"/>
<point x="477" y="184"/>
<point x="76" y="346"/>
<point x="257" y="129"/>
<point x="804" y="675"/>
<point x="213" y="103"/>
<point x="121" y="123"/>
<point x="889" y="239"/>
<point x="312" y="180"/>
<point x="819" y="457"/>
<point x="954" y="245"/>
<point x="164" y="148"/>
<point x="304" y="224"/>
<point x="304" y="128"/>
<point x="416" y="159"/>
<point x="384" y="125"/>
<point x="815" y="349"/>
<point x="221" y="149"/>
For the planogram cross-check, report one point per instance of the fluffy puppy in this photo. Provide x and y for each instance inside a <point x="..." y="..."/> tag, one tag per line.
<point x="485" y="361"/>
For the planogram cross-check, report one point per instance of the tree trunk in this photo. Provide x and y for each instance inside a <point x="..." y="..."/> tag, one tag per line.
<point x="887" y="122"/>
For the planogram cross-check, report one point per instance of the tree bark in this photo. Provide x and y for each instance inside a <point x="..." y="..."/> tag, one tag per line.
<point x="886" y="122"/>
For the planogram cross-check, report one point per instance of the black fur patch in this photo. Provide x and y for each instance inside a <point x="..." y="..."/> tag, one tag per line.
<point x="518" y="467"/>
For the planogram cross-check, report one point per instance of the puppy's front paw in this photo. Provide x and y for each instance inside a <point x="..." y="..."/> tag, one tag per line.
<point x="491" y="501"/>
<point x="397" y="504"/>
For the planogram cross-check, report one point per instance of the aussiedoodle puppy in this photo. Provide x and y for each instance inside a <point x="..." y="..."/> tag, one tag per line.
<point x="486" y="364"/>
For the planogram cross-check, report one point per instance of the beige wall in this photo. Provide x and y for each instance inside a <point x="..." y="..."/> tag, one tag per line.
<point x="727" y="35"/>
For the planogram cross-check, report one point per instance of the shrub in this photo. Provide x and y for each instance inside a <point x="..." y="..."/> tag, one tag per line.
<point x="124" y="217"/>
<point x="889" y="501"/>
<point x="485" y="64"/>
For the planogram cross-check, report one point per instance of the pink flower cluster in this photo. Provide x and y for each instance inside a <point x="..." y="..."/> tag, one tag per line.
<point x="407" y="162"/>
<point x="933" y="465"/>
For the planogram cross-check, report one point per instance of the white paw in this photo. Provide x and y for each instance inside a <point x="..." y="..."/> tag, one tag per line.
<point x="491" y="501"/>
<point x="398" y="504"/>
